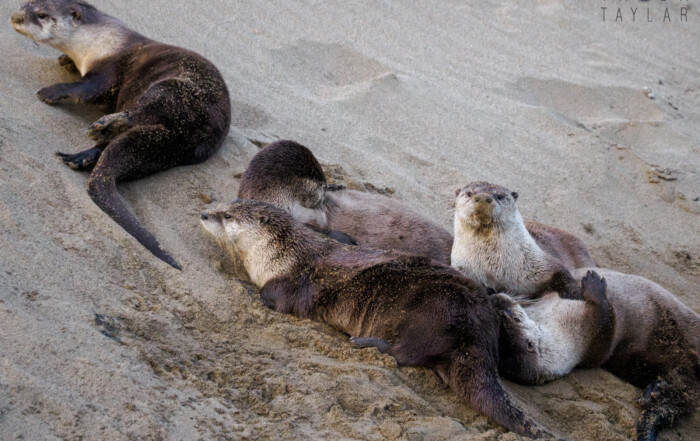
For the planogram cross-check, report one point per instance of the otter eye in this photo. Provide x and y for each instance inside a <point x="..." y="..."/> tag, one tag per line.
<point x="530" y="346"/>
<point x="227" y="216"/>
<point x="469" y="194"/>
<point x="41" y="15"/>
<point x="499" y="197"/>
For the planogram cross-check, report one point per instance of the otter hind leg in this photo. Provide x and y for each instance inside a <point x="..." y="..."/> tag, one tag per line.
<point x="134" y="154"/>
<point x="663" y="405"/>
<point x="368" y="342"/>
<point x="82" y="160"/>
<point x="110" y="126"/>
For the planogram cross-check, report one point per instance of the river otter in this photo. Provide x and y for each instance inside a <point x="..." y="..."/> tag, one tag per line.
<point x="431" y="314"/>
<point x="495" y="247"/>
<point x="171" y="105"/>
<point x="628" y="325"/>
<point x="287" y="174"/>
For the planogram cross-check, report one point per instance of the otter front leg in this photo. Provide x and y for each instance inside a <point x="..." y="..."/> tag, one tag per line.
<point x="68" y="64"/>
<point x="599" y="317"/>
<point x="93" y="88"/>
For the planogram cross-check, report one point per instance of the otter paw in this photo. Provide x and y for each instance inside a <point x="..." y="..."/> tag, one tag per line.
<point x="67" y="63"/>
<point x="52" y="94"/>
<point x="109" y="127"/>
<point x="652" y="393"/>
<point x="81" y="161"/>
<point x="502" y="302"/>
<point x="594" y="287"/>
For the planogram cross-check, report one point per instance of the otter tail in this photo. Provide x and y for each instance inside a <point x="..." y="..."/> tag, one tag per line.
<point x="476" y="383"/>
<point x="132" y="155"/>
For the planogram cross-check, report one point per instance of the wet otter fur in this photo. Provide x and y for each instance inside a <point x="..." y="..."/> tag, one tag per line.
<point x="171" y="106"/>
<point x="495" y="247"/>
<point x="627" y="324"/>
<point x="429" y="313"/>
<point x="287" y="175"/>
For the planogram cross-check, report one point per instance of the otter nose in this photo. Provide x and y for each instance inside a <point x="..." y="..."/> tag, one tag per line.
<point x="483" y="197"/>
<point x="17" y="18"/>
<point x="205" y="215"/>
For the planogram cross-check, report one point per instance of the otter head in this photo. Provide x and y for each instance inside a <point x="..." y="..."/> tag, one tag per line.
<point x="518" y="343"/>
<point x="481" y="206"/>
<point x="265" y="237"/>
<point x="287" y="175"/>
<point x="52" y="22"/>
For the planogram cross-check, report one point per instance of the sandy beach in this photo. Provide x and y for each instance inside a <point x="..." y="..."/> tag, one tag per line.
<point x="595" y="123"/>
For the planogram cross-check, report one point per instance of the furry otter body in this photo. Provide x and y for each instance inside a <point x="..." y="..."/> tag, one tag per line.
<point x="495" y="247"/>
<point x="286" y="174"/>
<point x="429" y="313"/>
<point x="171" y="105"/>
<point x="632" y="327"/>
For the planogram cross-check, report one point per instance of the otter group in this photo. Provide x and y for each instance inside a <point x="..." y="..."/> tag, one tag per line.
<point x="505" y="296"/>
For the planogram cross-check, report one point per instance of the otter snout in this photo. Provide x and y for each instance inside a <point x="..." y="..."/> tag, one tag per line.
<point x="205" y="215"/>
<point x="483" y="197"/>
<point x="17" y="18"/>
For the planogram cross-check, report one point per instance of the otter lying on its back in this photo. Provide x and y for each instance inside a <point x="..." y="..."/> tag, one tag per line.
<point x="172" y="105"/>
<point x="629" y="325"/>
<point x="494" y="246"/>
<point x="287" y="175"/>
<point x="430" y="314"/>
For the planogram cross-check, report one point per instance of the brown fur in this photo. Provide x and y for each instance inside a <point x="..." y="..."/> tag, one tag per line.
<point x="287" y="174"/>
<point x="494" y="246"/>
<point x="628" y="325"/>
<point x="429" y="314"/>
<point x="171" y="106"/>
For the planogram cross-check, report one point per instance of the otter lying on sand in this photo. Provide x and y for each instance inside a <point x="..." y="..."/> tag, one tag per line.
<point x="172" y="105"/>
<point x="287" y="175"/>
<point x="429" y="313"/>
<point x="627" y="324"/>
<point x="493" y="245"/>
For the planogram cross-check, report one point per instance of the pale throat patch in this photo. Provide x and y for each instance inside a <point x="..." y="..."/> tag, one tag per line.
<point x="89" y="44"/>
<point x="259" y="257"/>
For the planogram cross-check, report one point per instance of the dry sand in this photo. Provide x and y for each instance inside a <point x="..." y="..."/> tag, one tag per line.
<point x="422" y="97"/>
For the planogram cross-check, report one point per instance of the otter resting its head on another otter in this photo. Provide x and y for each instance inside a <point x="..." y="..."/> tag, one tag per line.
<point x="420" y="312"/>
<point x="287" y="175"/>
<point x="494" y="246"/>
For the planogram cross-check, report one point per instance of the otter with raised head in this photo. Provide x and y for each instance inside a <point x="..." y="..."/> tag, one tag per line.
<point x="171" y="105"/>
<point x="627" y="324"/>
<point x="494" y="246"/>
<point x="287" y="175"/>
<point x="429" y="314"/>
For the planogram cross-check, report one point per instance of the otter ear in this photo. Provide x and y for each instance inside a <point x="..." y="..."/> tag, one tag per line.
<point x="458" y="191"/>
<point x="75" y="13"/>
<point x="515" y="195"/>
<point x="263" y="219"/>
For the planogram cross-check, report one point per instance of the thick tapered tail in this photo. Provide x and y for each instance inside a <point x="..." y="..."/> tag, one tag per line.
<point x="103" y="191"/>
<point x="476" y="383"/>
